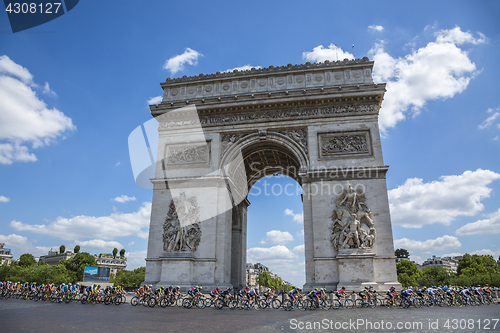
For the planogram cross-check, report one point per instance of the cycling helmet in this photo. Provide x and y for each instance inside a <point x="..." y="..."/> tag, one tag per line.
<point x="63" y="284"/>
<point x="343" y="287"/>
<point x="316" y="289"/>
<point x="69" y="284"/>
<point x="178" y="287"/>
<point x="217" y="288"/>
<point x="201" y="287"/>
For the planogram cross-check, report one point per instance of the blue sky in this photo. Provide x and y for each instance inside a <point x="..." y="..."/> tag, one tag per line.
<point x="73" y="89"/>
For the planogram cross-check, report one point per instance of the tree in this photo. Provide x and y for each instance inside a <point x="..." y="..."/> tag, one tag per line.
<point x="402" y="254"/>
<point x="76" y="265"/>
<point x="471" y="265"/>
<point x="122" y="253"/>
<point x="76" y="249"/>
<point x="129" y="278"/>
<point x="62" y="249"/>
<point x="115" y="251"/>
<point x="26" y="260"/>
<point x="408" y="273"/>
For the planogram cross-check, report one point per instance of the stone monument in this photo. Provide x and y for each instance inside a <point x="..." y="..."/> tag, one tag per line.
<point x="220" y="133"/>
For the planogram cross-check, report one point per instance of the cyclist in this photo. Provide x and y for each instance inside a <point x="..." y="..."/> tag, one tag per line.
<point x="226" y="293"/>
<point x="363" y="293"/>
<point x="269" y="293"/>
<point x="252" y="294"/>
<point x="295" y="294"/>
<point x="340" y="292"/>
<point x="392" y="293"/>
<point x="195" y="291"/>
<point x="243" y="293"/>
<point x="214" y="293"/>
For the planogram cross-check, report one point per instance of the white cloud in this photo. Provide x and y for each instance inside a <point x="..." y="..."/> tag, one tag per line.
<point x="457" y="36"/>
<point x="136" y="259"/>
<point x="9" y="67"/>
<point x="491" y="225"/>
<point x="299" y="218"/>
<point x="117" y="164"/>
<point x="242" y="68"/>
<point x="332" y="53"/>
<point x="439" y="70"/>
<point x="131" y="243"/>
<point x="105" y="227"/>
<point x="376" y="28"/>
<point x="431" y="245"/>
<point x="20" y="244"/>
<point x="495" y="254"/>
<point x="155" y="100"/>
<point x="415" y="203"/>
<point x="176" y="63"/>
<point x="299" y="250"/>
<point x="453" y="254"/>
<point x="272" y="254"/>
<point x="47" y="90"/>
<point x="277" y="237"/>
<point x="300" y="233"/>
<point x="417" y="259"/>
<point x="98" y="244"/>
<point x="491" y="119"/>
<point x="124" y="198"/>
<point x="24" y="118"/>
<point x="4" y="199"/>
<point x="281" y="261"/>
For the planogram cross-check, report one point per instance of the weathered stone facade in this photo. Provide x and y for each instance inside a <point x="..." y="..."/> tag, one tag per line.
<point x="317" y="123"/>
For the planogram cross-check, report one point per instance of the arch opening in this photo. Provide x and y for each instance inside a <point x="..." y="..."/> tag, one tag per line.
<point x="268" y="161"/>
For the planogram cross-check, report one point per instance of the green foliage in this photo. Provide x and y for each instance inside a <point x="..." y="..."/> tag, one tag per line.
<point x="408" y="273"/>
<point x="26" y="260"/>
<point x="122" y="253"/>
<point x="129" y="278"/>
<point x="62" y="249"/>
<point x="471" y="265"/>
<point x="77" y="249"/>
<point x="76" y="265"/>
<point x="402" y="253"/>
<point x="39" y="273"/>
<point x="265" y="279"/>
<point x="115" y="251"/>
<point x="472" y="270"/>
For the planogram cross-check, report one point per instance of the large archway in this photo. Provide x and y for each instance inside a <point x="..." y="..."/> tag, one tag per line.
<point x="262" y="155"/>
<point x="221" y="133"/>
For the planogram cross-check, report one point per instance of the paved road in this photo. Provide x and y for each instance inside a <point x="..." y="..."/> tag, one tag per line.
<point x="29" y="316"/>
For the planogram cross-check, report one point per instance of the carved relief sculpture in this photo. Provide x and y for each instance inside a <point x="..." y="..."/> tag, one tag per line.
<point x="298" y="135"/>
<point x="181" y="229"/>
<point x="352" y="225"/>
<point x="200" y="154"/>
<point x="345" y="144"/>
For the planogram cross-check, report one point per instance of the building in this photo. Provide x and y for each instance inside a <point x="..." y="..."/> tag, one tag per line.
<point x="53" y="257"/>
<point x="254" y="270"/>
<point x="107" y="260"/>
<point x="5" y="255"/>
<point x="450" y="263"/>
<point x="498" y="263"/>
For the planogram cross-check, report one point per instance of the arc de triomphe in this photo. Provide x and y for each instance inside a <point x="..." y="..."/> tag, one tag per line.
<point x="220" y="133"/>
